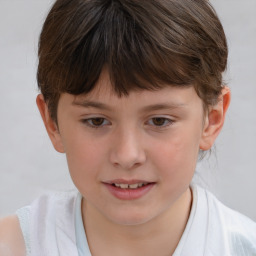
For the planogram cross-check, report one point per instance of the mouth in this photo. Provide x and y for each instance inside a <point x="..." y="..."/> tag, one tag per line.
<point x="130" y="186"/>
<point x="129" y="190"/>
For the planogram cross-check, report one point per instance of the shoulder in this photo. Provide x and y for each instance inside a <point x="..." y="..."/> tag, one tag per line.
<point x="11" y="238"/>
<point x="49" y="203"/>
<point x="236" y="229"/>
<point x="46" y="212"/>
<point x="232" y="218"/>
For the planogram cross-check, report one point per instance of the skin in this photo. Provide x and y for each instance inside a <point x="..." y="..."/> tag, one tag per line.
<point x="130" y="143"/>
<point x="11" y="238"/>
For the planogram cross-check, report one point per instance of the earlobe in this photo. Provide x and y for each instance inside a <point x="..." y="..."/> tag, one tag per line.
<point x="50" y="125"/>
<point x="214" y="120"/>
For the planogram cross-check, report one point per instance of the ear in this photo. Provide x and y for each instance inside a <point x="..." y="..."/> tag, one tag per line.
<point x="50" y="125"/>
<point x="214" y="120"/>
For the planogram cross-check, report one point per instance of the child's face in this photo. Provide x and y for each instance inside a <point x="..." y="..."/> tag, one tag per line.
<point x="147" y="137"/>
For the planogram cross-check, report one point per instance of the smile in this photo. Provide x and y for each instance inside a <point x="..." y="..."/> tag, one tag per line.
<point x="129" y="186"/>
<point x="129" y="190"/>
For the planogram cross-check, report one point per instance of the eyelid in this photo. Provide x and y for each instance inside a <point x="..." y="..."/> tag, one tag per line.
<point x="87" y="120"/>
<point x="169" y="120"/>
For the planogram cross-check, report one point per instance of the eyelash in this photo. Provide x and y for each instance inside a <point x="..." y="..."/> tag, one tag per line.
<point x="167" y="122"/>
<point x="88" y="122"/>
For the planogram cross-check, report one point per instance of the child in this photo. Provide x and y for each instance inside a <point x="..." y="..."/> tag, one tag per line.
<point x="132" y="93"/>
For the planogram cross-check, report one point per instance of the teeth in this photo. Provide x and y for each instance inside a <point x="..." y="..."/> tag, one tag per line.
<point x="124" y="185"/>
<point x="131" y="186"/>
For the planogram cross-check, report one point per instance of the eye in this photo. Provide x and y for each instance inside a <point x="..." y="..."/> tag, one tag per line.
<point x="160" y="121"/>
<point x="96" y="122"/>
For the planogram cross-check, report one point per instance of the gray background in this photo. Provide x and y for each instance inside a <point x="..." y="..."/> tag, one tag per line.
<point x="28" y="163"/>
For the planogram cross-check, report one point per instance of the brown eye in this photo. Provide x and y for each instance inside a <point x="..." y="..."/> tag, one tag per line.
<point x="97" y="121"/>
<point x="159" y="121"/>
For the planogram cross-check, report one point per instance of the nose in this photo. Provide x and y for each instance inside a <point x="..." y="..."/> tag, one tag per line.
<point x="127" y="150"/>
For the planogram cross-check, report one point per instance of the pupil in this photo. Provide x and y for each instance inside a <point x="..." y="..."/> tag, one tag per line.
<point x="97" y="121"/>
<point x="159" y="121"/>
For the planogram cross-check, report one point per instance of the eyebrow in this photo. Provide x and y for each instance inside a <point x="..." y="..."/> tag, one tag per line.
<point x="163" y="106"/>
<point x="91" y="104"/>
<point x="154" y="107"/>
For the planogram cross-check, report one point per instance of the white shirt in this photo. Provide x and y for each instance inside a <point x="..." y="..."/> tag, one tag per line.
<point x="215" y="230"/>
<point x="53" y="225"/>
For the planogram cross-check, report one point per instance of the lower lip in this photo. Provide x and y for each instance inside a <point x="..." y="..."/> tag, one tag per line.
<point x="129" y="194"/>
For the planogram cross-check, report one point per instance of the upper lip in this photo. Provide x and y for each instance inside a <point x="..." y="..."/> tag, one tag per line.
<point x="129" y="182"/>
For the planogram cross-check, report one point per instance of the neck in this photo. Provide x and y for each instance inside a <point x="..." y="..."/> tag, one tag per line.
<point x="159" y="236"/>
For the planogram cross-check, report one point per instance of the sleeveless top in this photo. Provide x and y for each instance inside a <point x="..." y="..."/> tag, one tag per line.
<point x="52" y="226"/>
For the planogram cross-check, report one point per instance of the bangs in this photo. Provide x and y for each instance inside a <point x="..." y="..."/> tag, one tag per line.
<point x="144" y="45"/>
<point x="135" y="57"/>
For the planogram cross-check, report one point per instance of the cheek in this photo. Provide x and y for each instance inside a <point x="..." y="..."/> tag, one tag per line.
<point x="84" y="156"/>
<point x="177" y="156"/>
<point x="84" y="165"/>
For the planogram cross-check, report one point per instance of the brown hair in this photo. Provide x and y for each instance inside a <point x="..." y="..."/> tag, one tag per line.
<point x="145" y="44"/>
